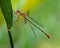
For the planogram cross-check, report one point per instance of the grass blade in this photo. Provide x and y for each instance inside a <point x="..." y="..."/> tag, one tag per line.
<point x="7" y="11"/>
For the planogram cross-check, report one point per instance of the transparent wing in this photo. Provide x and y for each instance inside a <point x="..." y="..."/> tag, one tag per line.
<point x="32" y="29"/>
<point x="38" y="27"/>
<point x="40" y="24"/>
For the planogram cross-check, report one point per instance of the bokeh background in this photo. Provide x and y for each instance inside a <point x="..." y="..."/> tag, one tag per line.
<point x="45" y="11"/>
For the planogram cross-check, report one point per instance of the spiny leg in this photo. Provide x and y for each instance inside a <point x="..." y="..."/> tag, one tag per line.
<point x="25" y="21"/>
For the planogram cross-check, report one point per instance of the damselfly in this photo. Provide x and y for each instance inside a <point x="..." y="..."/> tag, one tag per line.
<point x="31" y="21"/>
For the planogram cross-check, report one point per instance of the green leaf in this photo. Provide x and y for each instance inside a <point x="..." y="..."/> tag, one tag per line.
<point x="7" y="11"/>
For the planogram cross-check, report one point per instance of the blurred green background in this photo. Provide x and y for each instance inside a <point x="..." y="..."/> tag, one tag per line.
<point x="45" y="11"/>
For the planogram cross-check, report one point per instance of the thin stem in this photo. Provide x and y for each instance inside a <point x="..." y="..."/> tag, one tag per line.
<point x="10" y="38"/>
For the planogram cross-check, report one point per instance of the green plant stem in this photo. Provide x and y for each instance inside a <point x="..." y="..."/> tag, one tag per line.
<point x="10" y="38"/>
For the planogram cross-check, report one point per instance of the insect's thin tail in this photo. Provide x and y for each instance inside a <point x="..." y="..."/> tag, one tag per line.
<point x="38" y="28"/>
